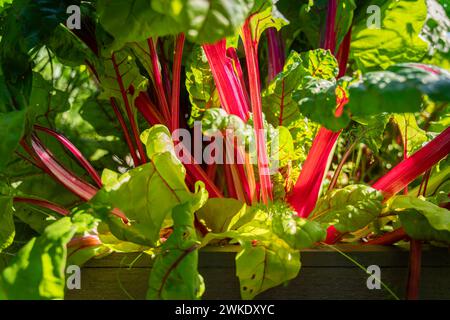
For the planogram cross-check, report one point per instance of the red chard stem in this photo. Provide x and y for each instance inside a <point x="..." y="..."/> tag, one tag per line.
<point x="232" y="96"/>
<point x="74" y="150"/>
<point x="251" y="51"/>
<point x="42" y="203"/>
<point x="175" y="103"/>
<point x="276" y="52"/>
<point x="162" y="99"/>
<point x="130" y="114"/>
<point x="415" y="165"/>
<point x="125" y="131"/>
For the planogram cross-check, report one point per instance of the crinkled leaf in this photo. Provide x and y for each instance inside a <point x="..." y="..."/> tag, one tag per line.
<point x="200" y="85"/>
<point x="348" y="209"/>
<point x="317" y="100"/>
<point x="278" y="104"/>
<point x="266" y="259"/>
<point x="158" y="140"/>
<point x="370" y="130"/>
<point x="395" y="40"/>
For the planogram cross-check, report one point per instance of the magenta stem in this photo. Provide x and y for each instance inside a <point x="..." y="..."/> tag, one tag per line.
<point x="44" y="204"/>
<point x="75" y="151"/>
<point x="175" y="103"/>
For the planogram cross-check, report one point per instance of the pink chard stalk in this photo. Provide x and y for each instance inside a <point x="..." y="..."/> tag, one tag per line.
<point x="306" y="191"/>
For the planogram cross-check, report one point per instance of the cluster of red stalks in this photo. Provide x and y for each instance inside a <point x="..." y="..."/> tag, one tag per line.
<point x="240" y="94"/>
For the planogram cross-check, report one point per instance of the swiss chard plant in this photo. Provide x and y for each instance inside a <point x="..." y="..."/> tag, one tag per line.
<point x="165" y="126"/>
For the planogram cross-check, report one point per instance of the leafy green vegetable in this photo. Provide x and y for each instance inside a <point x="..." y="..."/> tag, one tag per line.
<point x="299" y="233"/>
<point x="371" y="130"/>
<point x="146" y="194"/>
<point x="395" y="40"/>
<point x="38" y="269"/>
<point x="418" y="227"/>
<point x="203" y="22"/>
<point x="398" y="89"/>
<point x="412" y="134"/>
<point x="139" y="17"/>
<point x="265" y="260"/>
<point x="439" y="218"/>
<point x="223" y="214"/>
<point x="174" y="273"/>
<point x="348" y="209"/>
<point x="278" y="104"/>
<point x="206" y="22"/>
<point x="200" y="85"/>
<point x="7" y="230"/>
<point x="12" y="127"/>
<point x="265" y="15"/>
<point x="317" y="101"/>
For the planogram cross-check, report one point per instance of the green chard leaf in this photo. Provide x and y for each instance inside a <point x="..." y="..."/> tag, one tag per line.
<point x="422" y="220"/>
<point x="399" y="89"/>
<point x="318" y="100"/>
<point x="223" y="214"/>
<point x="439" y="218"/>
<point x="38" y="19"/>
<point x="200" y="85"/>
<point x="410" y="130"/>
<point x="266" y="260"/>
<point x="38" y="269"/>
<point x="279" y="99"/>
<point x="206" y="21"/>
<point x="146" y="194"/>
<point x="7" y="229"/>
<point x="278" y="104"/>
<point x="299" y="233"/>
<point x="201" y="21"/>
<point x="418" y="227"/>
<point x="140" y="19"/>
<point x="12" y="128"/>
<point x="370" y="130"/>
<point x="121" y="66"/>
<point x="265" y="15"/>
<point x="174" y="274"/>
<point x="395" y="40"/>
<point x="348" y="209"/>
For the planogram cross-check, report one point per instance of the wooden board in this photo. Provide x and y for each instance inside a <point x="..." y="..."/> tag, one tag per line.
<point x="325" y="274"/>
